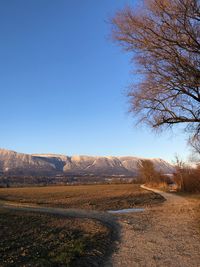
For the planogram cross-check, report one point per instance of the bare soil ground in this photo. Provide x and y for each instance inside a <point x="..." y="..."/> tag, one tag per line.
<point x="166" y="235"/>
<point x="41" y="239"/>
<point x="90" y="197"/>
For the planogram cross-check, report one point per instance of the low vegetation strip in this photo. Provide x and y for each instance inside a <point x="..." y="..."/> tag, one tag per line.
<point x="89" y="197"/>
<point x="39" y="239"/>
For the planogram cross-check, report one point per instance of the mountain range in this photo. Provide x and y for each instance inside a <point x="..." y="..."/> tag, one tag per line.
<point x="38" y="164"/>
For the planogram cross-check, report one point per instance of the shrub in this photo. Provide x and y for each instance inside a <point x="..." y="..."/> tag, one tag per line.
<point x="188" y="179"/>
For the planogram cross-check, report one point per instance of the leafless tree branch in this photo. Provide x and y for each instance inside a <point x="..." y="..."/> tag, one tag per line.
<point x="164" y="39"/>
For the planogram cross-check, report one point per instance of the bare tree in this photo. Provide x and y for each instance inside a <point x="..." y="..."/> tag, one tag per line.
<point x="180" y="168"/>
<point x="195" y="144"/>
<point x="186" y="177"/>
<point x="147" y="171"/>
<point x="164" y="39"/>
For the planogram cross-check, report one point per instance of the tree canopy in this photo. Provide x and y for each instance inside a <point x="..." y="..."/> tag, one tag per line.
<point x="164" y="39"/>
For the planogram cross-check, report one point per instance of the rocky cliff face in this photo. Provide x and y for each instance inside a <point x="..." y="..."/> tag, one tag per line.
<point x="11" y="161"/>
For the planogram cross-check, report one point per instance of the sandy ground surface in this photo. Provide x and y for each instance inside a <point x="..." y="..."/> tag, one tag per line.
<point x="166" y="235"/>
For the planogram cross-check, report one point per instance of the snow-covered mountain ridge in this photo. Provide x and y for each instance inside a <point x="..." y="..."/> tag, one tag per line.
<point x="11" y="161"/>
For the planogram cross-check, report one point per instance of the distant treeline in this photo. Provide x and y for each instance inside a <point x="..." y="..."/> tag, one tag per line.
<point x="24" y="180"/>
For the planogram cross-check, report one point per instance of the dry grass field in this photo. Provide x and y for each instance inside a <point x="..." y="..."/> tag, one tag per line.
<point x="39" y="239"/>
<point x="194" y="199"/>
<point x="91" y="197"/>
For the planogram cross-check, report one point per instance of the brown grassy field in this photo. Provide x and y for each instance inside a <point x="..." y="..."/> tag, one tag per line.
<point x="194" y="199"/>
<point x="38" y="239"/>
<point x="92" y="197"/>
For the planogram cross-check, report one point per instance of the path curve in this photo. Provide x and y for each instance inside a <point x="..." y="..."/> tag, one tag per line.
<point x="171" y="198"/>
<point x="103" y="217"/>
<point x="165" y="235"/>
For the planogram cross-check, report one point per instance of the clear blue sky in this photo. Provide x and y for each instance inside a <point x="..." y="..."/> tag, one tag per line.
<point x="63" y="83"/>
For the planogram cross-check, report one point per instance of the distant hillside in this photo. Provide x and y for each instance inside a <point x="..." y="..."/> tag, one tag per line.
<point x="38" y="164"/>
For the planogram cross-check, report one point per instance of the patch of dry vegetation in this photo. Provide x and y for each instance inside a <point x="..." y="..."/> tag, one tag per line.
<point x="150" y="176"/>
<point x="188" y="179"/>
<point x="194" y="200"/>
<point x="38" y="239"/>
<point x="92" y="197"/>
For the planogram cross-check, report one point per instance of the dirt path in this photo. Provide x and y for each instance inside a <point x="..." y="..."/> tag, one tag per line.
<point x="166" y="235"/>
<point x="104" y="217"/>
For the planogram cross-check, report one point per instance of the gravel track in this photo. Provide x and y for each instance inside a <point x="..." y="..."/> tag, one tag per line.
<point x="166" y="235"/>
